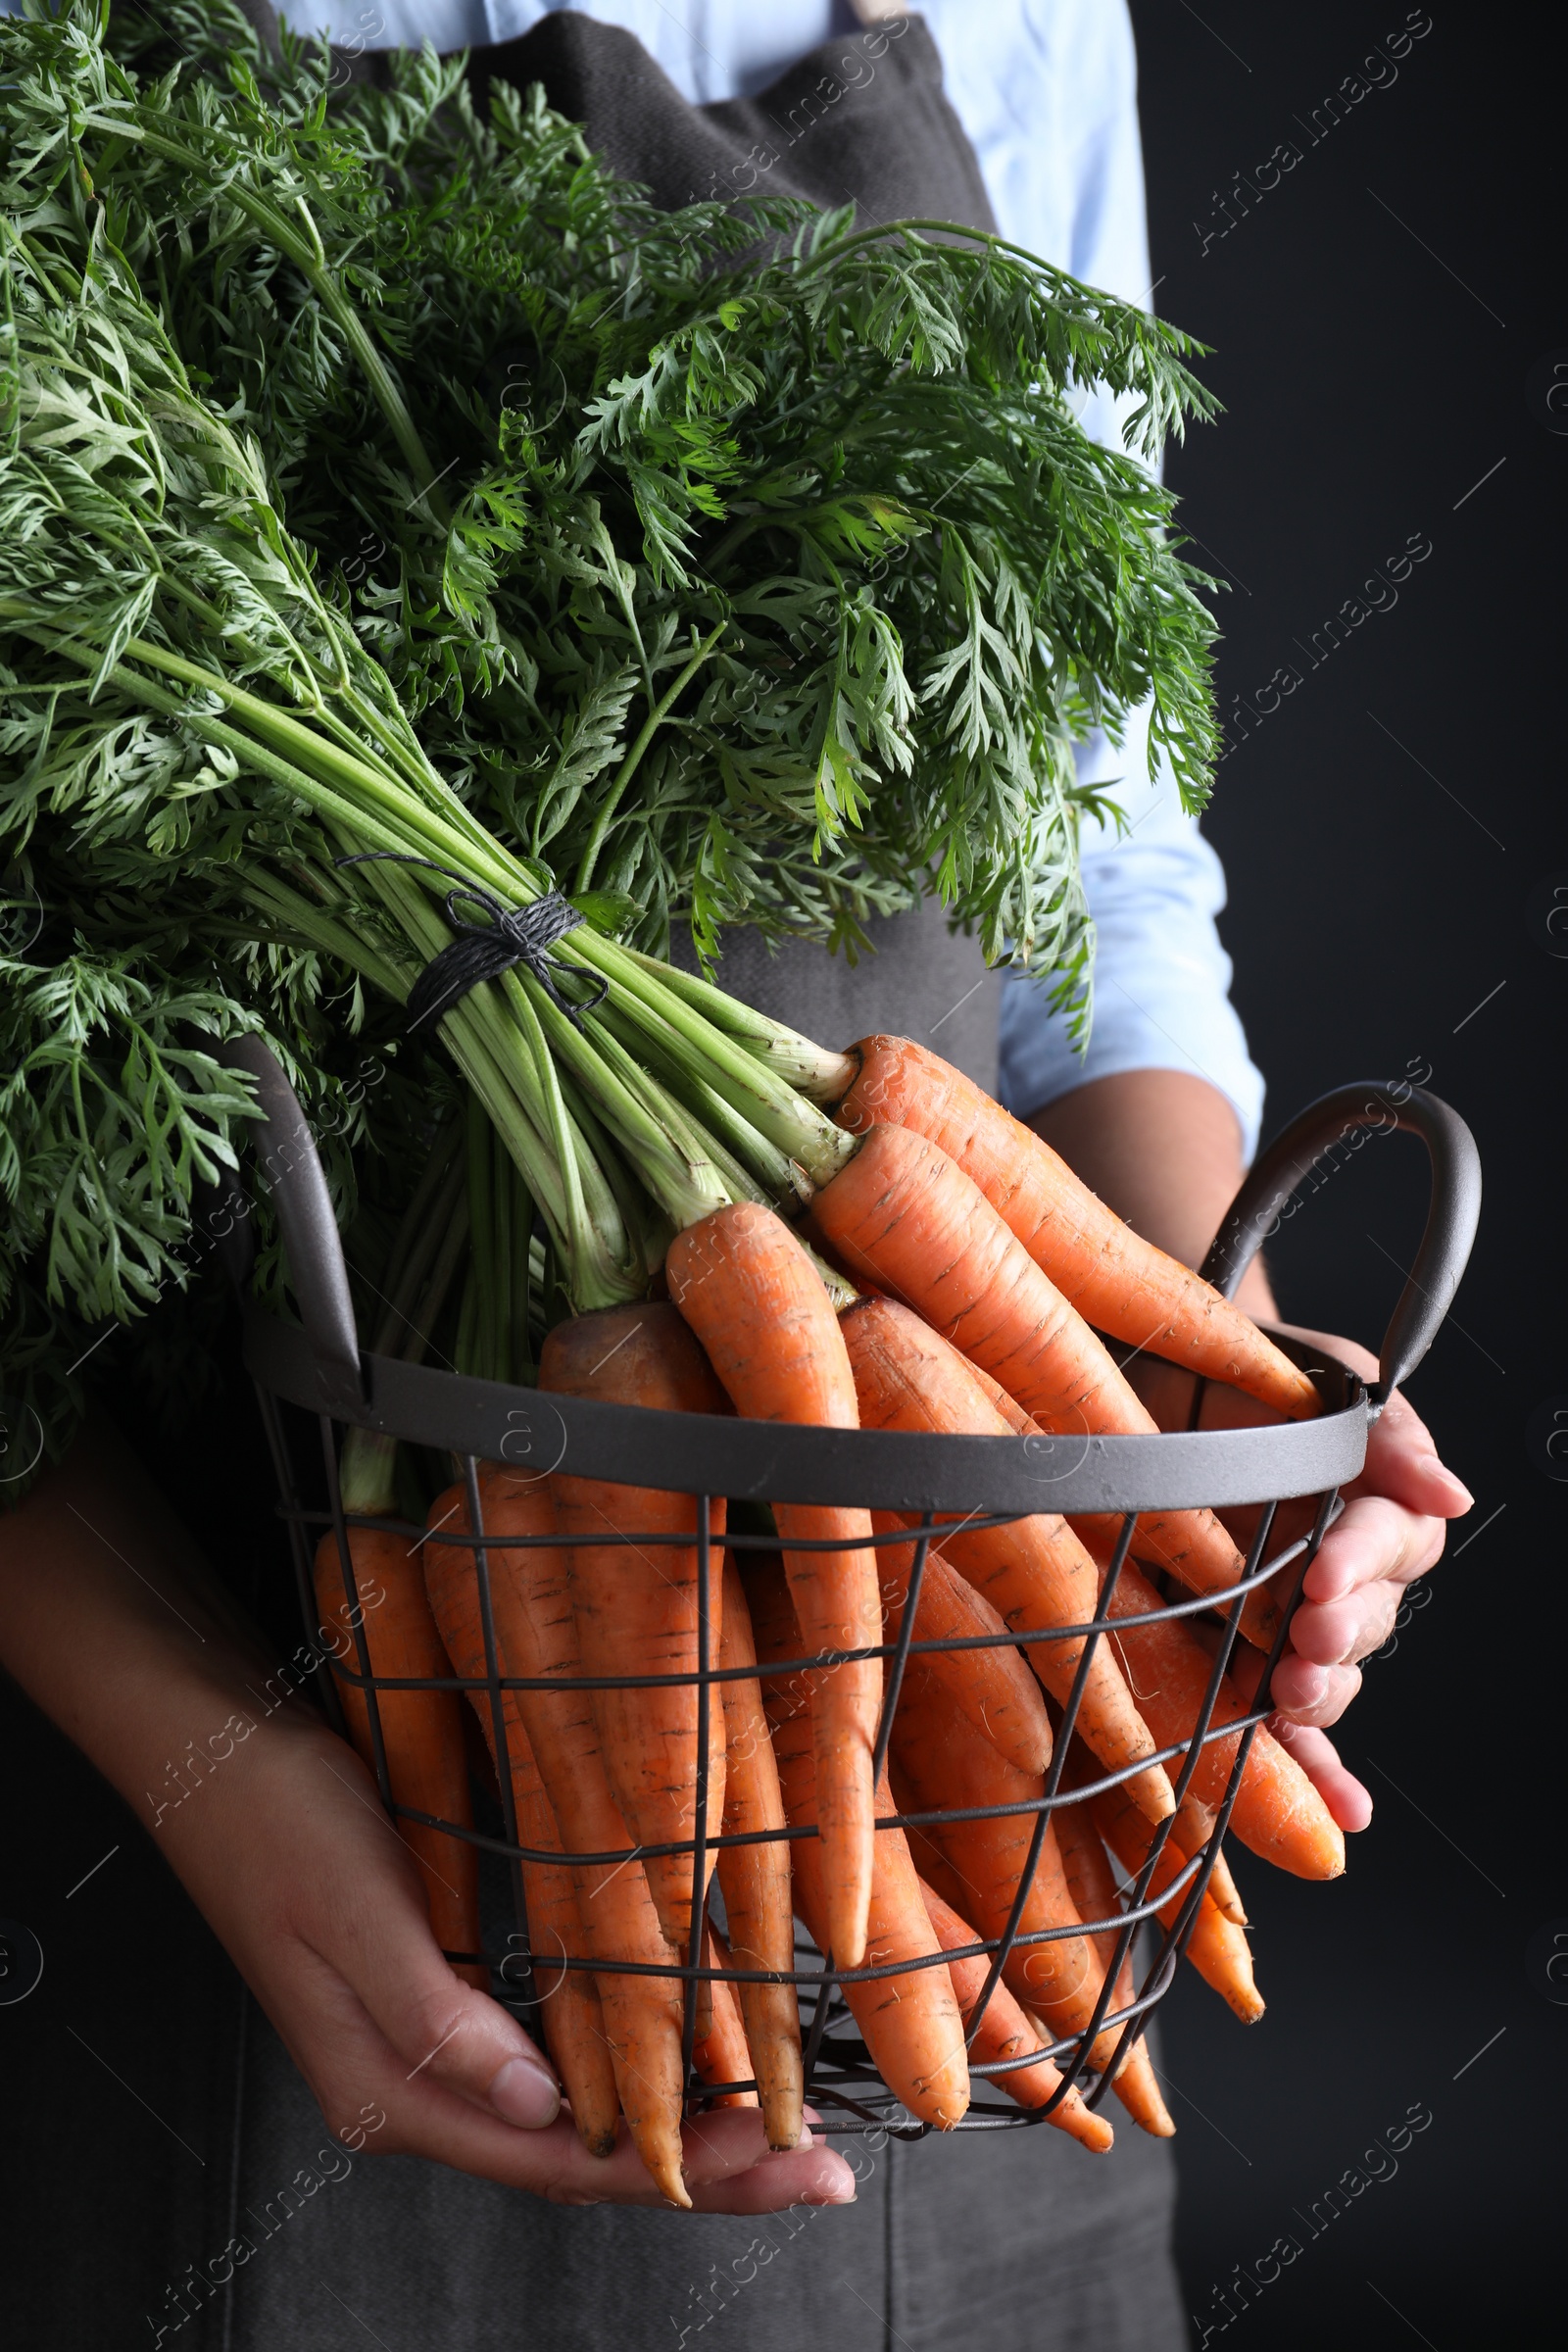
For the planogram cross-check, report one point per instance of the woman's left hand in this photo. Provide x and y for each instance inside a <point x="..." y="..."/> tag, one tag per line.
<point x="1392" y="1531"/>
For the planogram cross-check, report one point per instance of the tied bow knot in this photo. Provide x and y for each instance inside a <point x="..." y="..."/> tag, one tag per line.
<point x="483" y="951"/>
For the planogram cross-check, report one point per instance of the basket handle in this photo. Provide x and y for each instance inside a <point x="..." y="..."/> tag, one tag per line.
<point x="287" y="1154"/>
<point x="1450" y="1229"/>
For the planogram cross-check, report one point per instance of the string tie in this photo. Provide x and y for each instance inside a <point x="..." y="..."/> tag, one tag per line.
<point x="483" y="951"/>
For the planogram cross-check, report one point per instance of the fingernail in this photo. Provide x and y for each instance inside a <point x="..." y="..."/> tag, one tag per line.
<point x="524" y="2094"/>
<point x="851" y="2199"/>
<point x="1467" y="1501"/>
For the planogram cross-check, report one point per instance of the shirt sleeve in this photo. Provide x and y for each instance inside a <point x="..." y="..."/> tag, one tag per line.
<point x="1053" y="109"/>
<point x="1162" y="977"/>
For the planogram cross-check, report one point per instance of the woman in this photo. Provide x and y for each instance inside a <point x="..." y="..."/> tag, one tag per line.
<point x="249" y="2223"/>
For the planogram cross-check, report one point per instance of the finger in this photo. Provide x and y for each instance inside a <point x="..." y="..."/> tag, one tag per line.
<point x="442" y="2030"/>
<point x="1343" y="1794"/>
<point x="796" y="2176"/>
<point x="1344" y="1631"/>
<point x="1373" y="1540"/>
<point x="729" y="2167"/>
<point x="423" y="2117"/>
<point x="1309" y="1693"/>
<point x="1403" y="1463"/>
<point x="725" y="2141"/>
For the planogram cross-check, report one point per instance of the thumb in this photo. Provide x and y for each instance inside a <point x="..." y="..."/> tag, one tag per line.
<point x="448" y="2033"/>
<point x="443" y="2029"/>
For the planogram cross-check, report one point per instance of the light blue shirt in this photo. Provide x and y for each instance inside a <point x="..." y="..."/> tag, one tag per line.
<point x="1046" y="91"/>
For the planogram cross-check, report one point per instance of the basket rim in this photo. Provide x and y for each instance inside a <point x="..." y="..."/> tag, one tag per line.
<point x="764" y="1461"/>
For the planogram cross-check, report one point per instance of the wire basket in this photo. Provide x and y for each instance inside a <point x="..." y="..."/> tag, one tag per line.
<point x="319" y="1366"/>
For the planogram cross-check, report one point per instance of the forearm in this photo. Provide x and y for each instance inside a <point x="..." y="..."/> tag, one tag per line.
<point x="1164" y="1151"/>
<point x="111" y="1625"/>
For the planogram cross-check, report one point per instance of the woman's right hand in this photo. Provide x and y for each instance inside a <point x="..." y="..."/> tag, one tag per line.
<point x="288" y="1854"/>
<point x="110" y="1622"/>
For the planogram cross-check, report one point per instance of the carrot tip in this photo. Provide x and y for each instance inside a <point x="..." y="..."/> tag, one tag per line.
<point x="1151" y="1792"/>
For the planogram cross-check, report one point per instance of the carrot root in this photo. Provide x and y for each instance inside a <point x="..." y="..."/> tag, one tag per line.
<point x="1118" y="1282"/>
<point x="422" y="1731"/>
<point x="536" y="1636"/>
<point x="1005" y="2031"/>
<point x="758" y="1304"/>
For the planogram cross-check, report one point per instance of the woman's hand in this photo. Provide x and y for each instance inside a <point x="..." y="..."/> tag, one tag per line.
<point x="1163" y="1149"/>
<point x="1390" y="1531"/>
<point x="109" y="1620"/>
<point x="288" y="1854"/>
<point x="1393" y="1530"/>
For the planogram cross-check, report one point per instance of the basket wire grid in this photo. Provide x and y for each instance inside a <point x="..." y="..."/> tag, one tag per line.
<point x="321" y="1367"/>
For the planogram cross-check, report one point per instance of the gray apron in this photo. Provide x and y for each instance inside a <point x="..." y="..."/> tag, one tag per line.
<point x="997" y="2241"/>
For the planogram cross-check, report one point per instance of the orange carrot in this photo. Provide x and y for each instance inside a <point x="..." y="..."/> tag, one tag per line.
<point x="1160" y="1542"/>
<point x="1034" y="1573"/>
<point x="1216" y="1948"/>
<point x="722" y="2055"/>
<point x="1118" y="1282"/>
<point x="1162" y="1539"/>
<point x="993" y="1686"/>
<point x="931" y="1237"/>
<point x="910" y="2022"/>
<point x="1005" y="2031"/>
<point x="755" y="1879"/>
<point x="1092" y="1883"/>
<point x="758" y="1304"/>
<point x="1020" y="1423"/>
<point x="946" y="1764"/>
<point x="572" y="2012"/>
<point x="422" y="1731"/>
<point x="1192" y="1831"/>
<point x="1278" y="1813"/>
<point x="569" y="2004"/>
<point x="636" y="1604"/>
<point x="978" y="1865"/>
<point x="537" y="1637"/>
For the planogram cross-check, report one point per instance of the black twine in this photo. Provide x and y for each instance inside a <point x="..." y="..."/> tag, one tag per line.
<point x="484" y="950"/>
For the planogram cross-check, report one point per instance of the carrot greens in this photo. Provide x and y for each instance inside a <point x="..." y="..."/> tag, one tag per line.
<point x="380" y="481"/>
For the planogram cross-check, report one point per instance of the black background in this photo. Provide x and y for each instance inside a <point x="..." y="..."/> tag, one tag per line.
<point x="1385" y="880"/>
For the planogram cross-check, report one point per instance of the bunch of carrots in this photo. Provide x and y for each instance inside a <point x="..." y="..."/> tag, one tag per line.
<point x="953" y="1277"/>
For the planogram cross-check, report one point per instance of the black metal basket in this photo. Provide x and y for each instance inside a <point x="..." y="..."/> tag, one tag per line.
<point x="319" y="1366"/>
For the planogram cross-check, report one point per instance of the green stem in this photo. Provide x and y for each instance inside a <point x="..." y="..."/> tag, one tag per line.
<point x="369" y="1466"/>
<point x="621" y="1096"/>
<point x="338" y="766"/>
<point x="588" y="1271"/>
<point x="629" y="765"/>
<point x="482" y="1226"/>
<point x="817" y="1071"/>
<point x="306" y="252"/>
<point x="800" y="1130"/>
<point x="423" y="831"/>
<point x="414" y="1245"/>
<point x="719" y="1120"/>
<point x="322" y="930"/>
